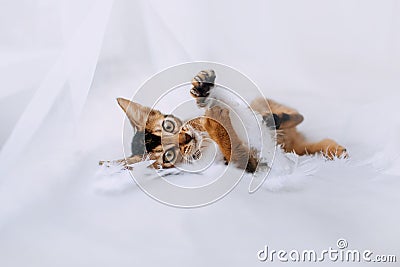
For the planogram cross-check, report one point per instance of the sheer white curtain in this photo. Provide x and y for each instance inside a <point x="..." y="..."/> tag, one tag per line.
<point x="50" y="52"/>
<point x="74" y="32"/>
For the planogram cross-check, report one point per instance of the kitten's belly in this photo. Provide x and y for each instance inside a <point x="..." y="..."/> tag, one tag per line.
<point x="247" y="123"/>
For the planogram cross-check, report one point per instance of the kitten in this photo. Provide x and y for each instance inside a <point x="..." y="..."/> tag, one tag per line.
<point x="169" y="141"/>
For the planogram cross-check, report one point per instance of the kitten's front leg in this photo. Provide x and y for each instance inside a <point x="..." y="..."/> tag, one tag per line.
<point x="220" y="129"/>
<point x="125" y="162"/>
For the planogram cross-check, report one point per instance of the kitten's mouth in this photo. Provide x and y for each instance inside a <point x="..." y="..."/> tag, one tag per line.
<point x="193" y="150"/>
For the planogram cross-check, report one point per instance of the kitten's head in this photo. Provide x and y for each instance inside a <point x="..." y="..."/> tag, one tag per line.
<point x="164" y="138"/>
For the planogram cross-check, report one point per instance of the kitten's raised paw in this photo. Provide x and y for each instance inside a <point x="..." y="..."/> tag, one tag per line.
<point x="202" y="83"/>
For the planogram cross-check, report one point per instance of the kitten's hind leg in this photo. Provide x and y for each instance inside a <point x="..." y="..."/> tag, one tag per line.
<point x="293" y="141"/>
<point x="328" y="147"/>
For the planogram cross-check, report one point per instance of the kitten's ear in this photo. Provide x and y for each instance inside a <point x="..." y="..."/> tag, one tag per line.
<point x="136" y="113"/>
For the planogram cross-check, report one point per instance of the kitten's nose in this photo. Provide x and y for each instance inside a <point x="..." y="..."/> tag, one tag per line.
<point x="185" y="138"/>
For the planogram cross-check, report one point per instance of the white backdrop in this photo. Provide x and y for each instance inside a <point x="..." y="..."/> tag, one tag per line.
<point x="63" y="63"/>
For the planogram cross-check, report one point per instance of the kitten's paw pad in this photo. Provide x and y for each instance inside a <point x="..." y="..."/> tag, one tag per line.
<point x="202" y="83"/>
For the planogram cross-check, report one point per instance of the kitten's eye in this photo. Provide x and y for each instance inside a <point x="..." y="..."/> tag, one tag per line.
<point x="168" y="126"/>
<point x="169" y="156"/>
